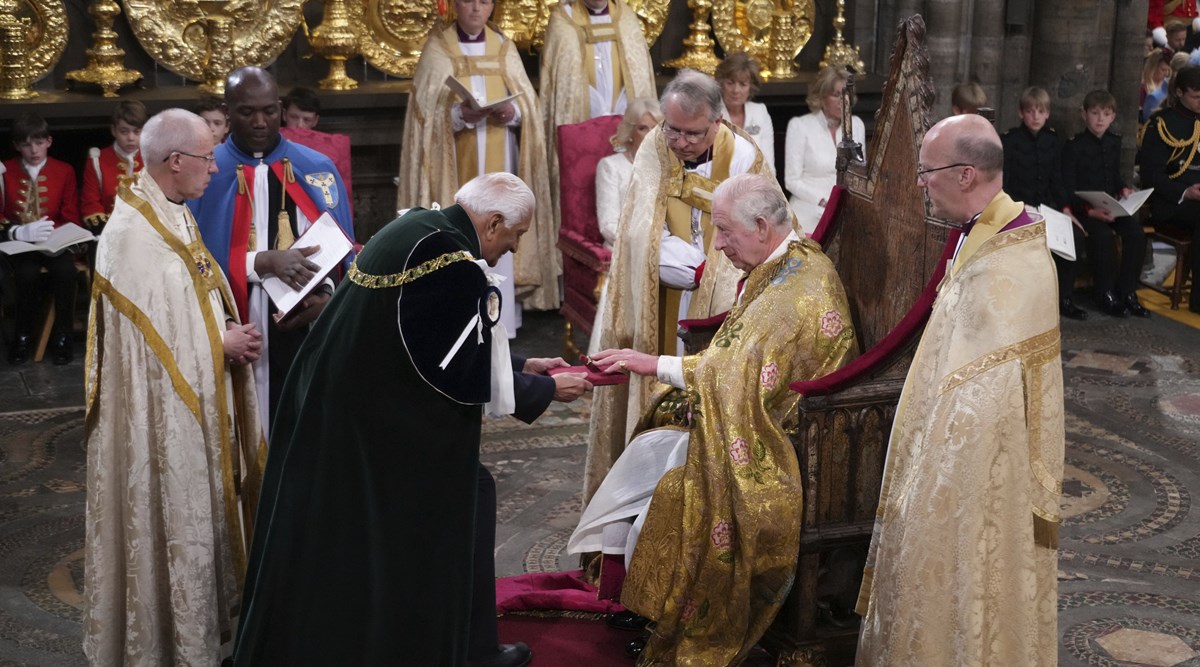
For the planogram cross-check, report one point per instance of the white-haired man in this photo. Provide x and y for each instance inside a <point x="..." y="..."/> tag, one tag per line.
<point x="665" y="266"/>
<point x="364" y="550"/>
<point x="172" y="425"/>
<point x="715" y="497"/>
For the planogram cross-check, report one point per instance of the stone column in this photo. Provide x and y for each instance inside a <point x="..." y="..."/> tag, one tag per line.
<point x="1127" y="75"/>
<point x="987" y="49"/>
<point x="1072" y="47"/>
<point x="944" y="22"/>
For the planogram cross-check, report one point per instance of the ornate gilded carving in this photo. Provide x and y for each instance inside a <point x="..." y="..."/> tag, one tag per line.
<point x="839" y="52"/>
<point x="181" y="35"/>
<point x="697" y="46"/>
<point x="392" y="32"/>
<point x="106" y="60"/>
<point x="653" y="15"/>
<point x="523" y="21"/>
<point x="772" y="31"/>
<point x="33" y="34"/>
<point x="336" y="40"/>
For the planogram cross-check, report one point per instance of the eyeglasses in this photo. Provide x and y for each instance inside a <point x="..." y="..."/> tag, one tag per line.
<point x="210" y="158"/>
<point x="922" y="172"/>
<point x="691" y="136"/>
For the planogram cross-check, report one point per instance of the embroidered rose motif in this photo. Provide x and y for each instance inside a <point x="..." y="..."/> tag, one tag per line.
<point x="689" y="610"/>
<point x="832" y="323"/>
<point x="722" y="535"/>
<point x="739" y="451"/>
<point x="769" y="376"/>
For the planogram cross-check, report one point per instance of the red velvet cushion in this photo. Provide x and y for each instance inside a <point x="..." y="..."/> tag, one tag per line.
<point x="580" y="147"/>
<point x="883" y="351"/>
<point x="336" y="147"/>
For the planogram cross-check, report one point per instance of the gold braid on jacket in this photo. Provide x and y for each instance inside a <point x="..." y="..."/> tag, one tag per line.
<point x="1180" y="146"/>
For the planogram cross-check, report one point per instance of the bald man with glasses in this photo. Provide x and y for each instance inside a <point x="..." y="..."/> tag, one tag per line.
<point x="664" y="266"/>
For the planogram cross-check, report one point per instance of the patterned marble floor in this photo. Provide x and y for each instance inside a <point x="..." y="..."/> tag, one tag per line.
<point x="1129" y="568"/>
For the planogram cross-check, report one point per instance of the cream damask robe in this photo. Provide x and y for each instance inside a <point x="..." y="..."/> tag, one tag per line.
<point x="429" y="169"/>
<point x="573" y="90"/>
<point x="962" y="565"/>
<point x="716" y="554"/>
<point x="171" y="432"/>
<point x="628" y="313"/>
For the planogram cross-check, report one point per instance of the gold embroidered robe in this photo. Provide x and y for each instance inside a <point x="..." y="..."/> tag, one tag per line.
<point x="717" y="554"/>
<point x="171" y="431"/>
<point x="564" y="81"/>
<point x="962" y="565"/>
<point x="628" y="314"/>
<point x="428" y="170"/>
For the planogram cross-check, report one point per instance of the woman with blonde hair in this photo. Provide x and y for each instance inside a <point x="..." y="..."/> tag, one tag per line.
<point x="614" y="172"/>
<point x="1156" y="75"/>
<point x="739" y="77"/>
<point x="810" y="157"/>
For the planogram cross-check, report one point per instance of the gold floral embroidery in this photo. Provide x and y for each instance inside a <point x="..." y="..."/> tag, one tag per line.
<point x="369" y="281"/>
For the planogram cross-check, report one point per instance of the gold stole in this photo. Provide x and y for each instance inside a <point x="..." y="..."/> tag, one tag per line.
<point x="491" y="67"/>
<point x="680" y="202"/>
<point x="594" y="33"/>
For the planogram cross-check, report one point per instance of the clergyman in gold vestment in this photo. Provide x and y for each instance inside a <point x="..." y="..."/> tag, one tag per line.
<point x="962" y="564"/>
<point x="172" y="424"/>
<point x="446" y="143"/>
<point x="715" y="491"/>
<point x="594" y="63"/>
<point x="664" y="235"/>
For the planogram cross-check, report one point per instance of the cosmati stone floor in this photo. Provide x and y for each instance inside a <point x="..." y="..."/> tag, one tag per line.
<point x="1129" y="568"/>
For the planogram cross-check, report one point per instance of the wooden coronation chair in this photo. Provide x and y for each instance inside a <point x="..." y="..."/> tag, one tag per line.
<point x="581" y="146"/>
<point x="890" y="257"/>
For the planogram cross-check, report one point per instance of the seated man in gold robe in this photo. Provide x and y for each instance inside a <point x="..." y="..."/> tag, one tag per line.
<point x="712" y="484"/>
<point x="448" y="141"/>
<point x="664" y="266"/>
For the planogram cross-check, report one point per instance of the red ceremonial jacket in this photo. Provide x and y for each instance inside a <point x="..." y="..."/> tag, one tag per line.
<point x="54" y="195"/>
<point x="102" y="175"/>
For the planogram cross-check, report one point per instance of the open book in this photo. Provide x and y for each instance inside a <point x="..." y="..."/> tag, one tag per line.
<point x="1059" y="236"/>
<point x="1116" y="207"/>
<point x="334" y="247"/>
<point x="61" y="238"/>
<point x="468" y="97"/>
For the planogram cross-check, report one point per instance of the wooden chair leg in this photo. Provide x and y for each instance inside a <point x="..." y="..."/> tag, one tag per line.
<point x="570" y="349"/>
<point x="44" y="339"/>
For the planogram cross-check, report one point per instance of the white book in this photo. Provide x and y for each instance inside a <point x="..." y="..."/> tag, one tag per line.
<point x="61" y="238"/>
<point x="1116" y="207"/>
<point x="334" y="247"/>
<point x="1059" y="236"/>
<point x="464" y="93"/>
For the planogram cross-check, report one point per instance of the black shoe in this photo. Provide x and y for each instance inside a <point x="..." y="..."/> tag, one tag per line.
<point x="634" y="648"/>
<point x="506" y="655"/>
<point x="1111" y="305"/>
<point x="627" y="620"/>
<point x="18" y="352"/>
<point x="60" y="350"/>
<point x="1135" y="307"/>
<point x="1067" y="308"/>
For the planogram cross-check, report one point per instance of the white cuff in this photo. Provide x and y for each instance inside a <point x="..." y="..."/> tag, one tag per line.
<point x="251" y="275"/>
<point x="677" y="262"/>
<point x="670" y="371"/>
<point x="457" y="124"/>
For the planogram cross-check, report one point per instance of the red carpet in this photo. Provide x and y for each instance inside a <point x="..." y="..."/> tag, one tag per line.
<point x="557" y="641"/>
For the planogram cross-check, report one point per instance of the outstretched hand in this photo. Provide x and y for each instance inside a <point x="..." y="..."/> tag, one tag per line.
<point x="626" y="361"/>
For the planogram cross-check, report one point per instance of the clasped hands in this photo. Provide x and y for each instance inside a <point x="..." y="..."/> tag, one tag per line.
<point x="242" y="343"/>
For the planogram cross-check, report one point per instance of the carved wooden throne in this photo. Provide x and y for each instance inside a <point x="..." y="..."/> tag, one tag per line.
<point x="890" y="258"/>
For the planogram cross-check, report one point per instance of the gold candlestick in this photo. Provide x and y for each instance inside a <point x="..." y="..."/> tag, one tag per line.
<point x="336" y="41"/>
<point x="14" y="52"/>
<point x="839" y="52"/>
<point x="106" y="60"/>
<point x="218" y="27"/>
<point x="698" y="46"/>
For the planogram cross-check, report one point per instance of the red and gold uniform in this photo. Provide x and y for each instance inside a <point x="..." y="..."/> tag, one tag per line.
<point x="52" y="195"/>
<point x="1164" y="12"/>
<point x="106" y="171"/>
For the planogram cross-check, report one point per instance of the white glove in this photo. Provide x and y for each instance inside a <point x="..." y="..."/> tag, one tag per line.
<point x="34" y="232"/>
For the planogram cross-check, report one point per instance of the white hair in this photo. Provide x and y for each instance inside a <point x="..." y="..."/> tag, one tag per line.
<point x="695" y="93"/>
<point x="497" y="192"/>
<point x="754" y="196"/>
<point x="169" y="131"/>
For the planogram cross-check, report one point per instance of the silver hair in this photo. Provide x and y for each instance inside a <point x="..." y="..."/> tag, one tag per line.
<point x="754" y="196"/>
<point x="169" y="131"/>
<point x="497" y="192"/>
<point x="696" y="92"/>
